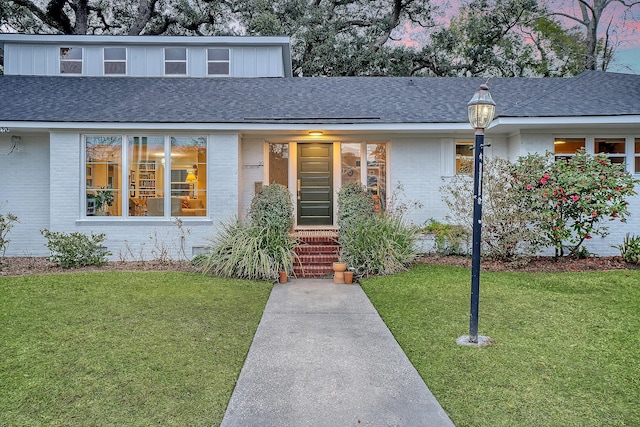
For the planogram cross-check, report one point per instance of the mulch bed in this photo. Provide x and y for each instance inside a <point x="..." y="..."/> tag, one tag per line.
<point x="20" y="266"/>
<point x="536" y="264"/>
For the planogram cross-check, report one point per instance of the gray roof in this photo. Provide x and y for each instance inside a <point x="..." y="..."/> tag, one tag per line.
<point x="332" y="100"/>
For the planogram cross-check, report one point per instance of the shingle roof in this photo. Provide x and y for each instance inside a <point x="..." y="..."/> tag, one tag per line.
<point x="307" y="100"/>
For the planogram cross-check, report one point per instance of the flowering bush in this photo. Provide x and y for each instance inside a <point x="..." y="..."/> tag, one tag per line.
<point x="508" y="225"/>
<point x="573" y="197"/>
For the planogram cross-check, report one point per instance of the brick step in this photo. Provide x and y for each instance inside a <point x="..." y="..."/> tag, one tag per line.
<point x="313" y="271"/>
<point x="317" y="249"/>
<point x="317" y="259"/>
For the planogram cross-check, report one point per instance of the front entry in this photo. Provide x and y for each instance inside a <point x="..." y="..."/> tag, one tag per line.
<point x="315" y="183"/>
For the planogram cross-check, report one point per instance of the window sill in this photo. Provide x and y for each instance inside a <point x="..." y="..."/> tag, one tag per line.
<point x="142" y="221"/>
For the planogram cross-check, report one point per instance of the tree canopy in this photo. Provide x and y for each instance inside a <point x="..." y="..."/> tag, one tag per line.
<point x="359" y="37"/>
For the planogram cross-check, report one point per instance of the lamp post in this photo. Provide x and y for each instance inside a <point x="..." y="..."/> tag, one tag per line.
<point x="481" y="111"/>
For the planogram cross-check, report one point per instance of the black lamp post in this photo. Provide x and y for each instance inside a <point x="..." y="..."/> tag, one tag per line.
<point x="481" y="112"/>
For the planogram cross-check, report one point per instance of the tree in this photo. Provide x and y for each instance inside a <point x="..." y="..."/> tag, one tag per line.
<point x="573" y="197"/>
<point x="338" y="37"/>
<point x="151" y="17"/>
<point x="508" y="38"/>
<point x="598" y="52"/>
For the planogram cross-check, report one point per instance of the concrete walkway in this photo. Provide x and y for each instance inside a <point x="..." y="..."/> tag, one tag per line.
<point x="322" y="356"/>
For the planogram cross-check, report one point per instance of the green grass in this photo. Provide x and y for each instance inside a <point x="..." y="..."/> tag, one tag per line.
<point x="566" y="349"/>
<point x="123" y="348"/>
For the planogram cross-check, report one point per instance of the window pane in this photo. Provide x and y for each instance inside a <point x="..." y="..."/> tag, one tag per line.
<point x="70" y="67"/>
<point x="377" y="174"/>
<point x="567" y="145"/>
<point x="189" y="176"/>
<point x="115" y="68"/>
<point x="218" y="68"/>
<point x="175" y="54"/>
<point x="218" y="54"/>
<point x="637" y="146"/>
<point x="279" y="164"/>
<point x="103" y="175"/>
<point x="115" y="54"/>
<point x="610" y="145"/>
<point x="70" y="53"/>
<point x="175" y="68"/>
<point x="351" y="163"/>
<point x="146" y="175"/>
<point x="464" y="157"/>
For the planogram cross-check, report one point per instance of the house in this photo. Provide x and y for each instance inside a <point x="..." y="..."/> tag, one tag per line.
<point x="189" y="127"/>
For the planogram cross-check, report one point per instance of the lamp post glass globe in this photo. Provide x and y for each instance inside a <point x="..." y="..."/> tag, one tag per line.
<point x="481" y="108"/>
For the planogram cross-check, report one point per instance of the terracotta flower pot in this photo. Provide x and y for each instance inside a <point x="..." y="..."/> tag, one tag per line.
<point x="339" y="268"/>
<point x="348" y="277"/>
<point x="283" y="277"/>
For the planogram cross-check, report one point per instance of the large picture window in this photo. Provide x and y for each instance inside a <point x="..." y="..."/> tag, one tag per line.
<point x="614" y="148"/>
<point x="564" y="148"/>
<point x="165" y="176"/>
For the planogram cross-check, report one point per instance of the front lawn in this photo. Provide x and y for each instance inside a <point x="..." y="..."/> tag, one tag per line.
<point x="565" y="353"/>
<point x="117" y="348"/>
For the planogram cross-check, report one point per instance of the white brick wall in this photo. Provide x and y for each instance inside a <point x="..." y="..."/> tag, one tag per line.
<point x="24" y="191"/>
<point x="144" y="239"/>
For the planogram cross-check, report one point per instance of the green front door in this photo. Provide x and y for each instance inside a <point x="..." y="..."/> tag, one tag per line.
<point x="315" y="184"/>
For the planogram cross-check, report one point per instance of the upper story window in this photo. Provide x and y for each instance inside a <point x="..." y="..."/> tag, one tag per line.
<point x="175" y="61"/>
<point x="636" y="154"/>
<point x="614" y="148"/>
<point x="70" y="60"/>
<point x="115" y="60"/>
<point x="217" y="62"/>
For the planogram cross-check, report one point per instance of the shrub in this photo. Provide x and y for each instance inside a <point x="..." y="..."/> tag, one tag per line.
<point x="75" y="249"/>
<point x="248" y="252"/>
<point x="272" y="207"/>
<point x="372" y="244"/>
<point x="378" y="245"/>
<point x="450" y="239"/>
<point x="354" y="203"/>
<point x="260" y="247"/>
<point x="508" y="224"/>
<point x="6" y="224"/>
<point x="630" y="249"/>
<point x="572" y="198"/>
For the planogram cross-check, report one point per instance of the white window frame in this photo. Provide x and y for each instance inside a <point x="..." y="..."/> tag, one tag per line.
<point x="74" y="60"/>
<point x="175" y="61"/>
<point x="219" y="61"/>
<point x="124" y="193"/>
<point x="114" y="61"/>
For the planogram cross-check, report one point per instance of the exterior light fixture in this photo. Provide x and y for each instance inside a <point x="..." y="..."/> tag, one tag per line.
<point x="481" y="111"/>
<point x="316" y="133"/>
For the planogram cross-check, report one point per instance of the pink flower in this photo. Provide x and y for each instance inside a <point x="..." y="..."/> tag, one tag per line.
<point x="588" y="236"/>
<point x="575" y="198"/>
<point x="529" y="187"/>
<point x="594" y="214"/>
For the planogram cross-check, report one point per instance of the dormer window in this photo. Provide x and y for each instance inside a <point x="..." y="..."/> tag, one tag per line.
<point x="217" y="62"/>
<point x="70" y="60"/>
<point x="175" y="61"/>
<point x="115" y="61"/>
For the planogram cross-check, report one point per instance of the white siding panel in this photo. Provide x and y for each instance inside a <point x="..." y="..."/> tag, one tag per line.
<point x="11" y="59"/>
<point x="137" y="61"/>
<point x="92" y="61"/>
<point x="197" y="58"/>
<point x="39" y="60"/>
<point x="154" y="61"/>
<point x="26" y="60"/>
<point x="24" y="191"/>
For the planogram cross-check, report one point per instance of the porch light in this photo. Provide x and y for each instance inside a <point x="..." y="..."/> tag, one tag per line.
<point x="481" y="110"/>
<point x="316" y="133"/>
